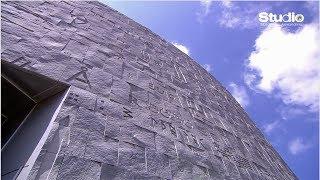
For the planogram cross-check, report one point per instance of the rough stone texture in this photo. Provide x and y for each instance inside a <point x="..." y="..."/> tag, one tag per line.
<point x="138" y="108"/>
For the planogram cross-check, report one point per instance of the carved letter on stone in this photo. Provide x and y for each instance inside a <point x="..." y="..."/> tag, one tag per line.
<point x="81" y="76"/>
<point x="127" y="113"/>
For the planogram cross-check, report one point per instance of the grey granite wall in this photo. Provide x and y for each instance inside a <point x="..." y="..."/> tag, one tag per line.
<point x="138" y="108"/>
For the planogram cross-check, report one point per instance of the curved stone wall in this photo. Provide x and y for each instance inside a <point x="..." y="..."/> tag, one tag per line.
<point x="138" y="108"/>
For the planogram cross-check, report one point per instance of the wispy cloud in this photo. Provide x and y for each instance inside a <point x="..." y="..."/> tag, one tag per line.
<point x="205" y="10"/>
<point x="291" y="112"/>
<point x="227" y="3"/>
<point x="297" y="146"/>
<point x="288" y="64"/>
<point x="241" y="15"/>
<point x="207" y="67"/>
<point x="268" y="128"/>
<point x="182" y="48"/>
<point x="206" y="4"/>
<point x="240" y="94"/>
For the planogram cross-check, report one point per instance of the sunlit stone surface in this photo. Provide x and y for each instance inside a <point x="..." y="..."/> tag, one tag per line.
<point x="138" y="108"/>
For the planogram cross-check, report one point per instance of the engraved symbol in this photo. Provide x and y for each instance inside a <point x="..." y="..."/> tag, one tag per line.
<point x="242" y="162"/>
<point x="153" y="108"/>
<point x="176" y="114"/>
<point x="165" y="113"/>
<point x="22" y="62"/>
<point x="184" y="136"/>
<point x="80" y="20"/>
<point x="194" y="139"/>
<point x="202" y="143"/>
<point x="73" y="98"/>
<point x="109" y="138"/>
<point x="172" y="130"/>
<point x="81" y="76"/>
<point x="151" y="86"/>
<point x="65" y="121"/>
<point x="130" y="76"/>
<point x="159" y="90"/>
<point x="178" y="74"/>
<point x="159" y="122"/>
<point x="100" y="105"/>
<point x="127" y="113"/>
<point x="171" y="97"/>
<point x="135" y="102"/>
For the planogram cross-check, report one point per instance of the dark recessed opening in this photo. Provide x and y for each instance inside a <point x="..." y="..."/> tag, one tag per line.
<point x="15" y="106"/>
<point x="28" y="103"/>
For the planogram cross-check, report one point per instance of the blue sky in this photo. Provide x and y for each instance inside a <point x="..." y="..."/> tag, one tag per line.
<point x="272" y="70"/>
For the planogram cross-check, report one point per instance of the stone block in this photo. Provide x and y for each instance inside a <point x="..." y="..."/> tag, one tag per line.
<point x="77" y="168"/>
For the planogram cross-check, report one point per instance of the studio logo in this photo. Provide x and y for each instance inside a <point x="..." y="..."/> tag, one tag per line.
<point x="289" y="17"/>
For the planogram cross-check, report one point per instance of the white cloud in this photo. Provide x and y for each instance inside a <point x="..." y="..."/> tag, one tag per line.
<point x="205" y="9"/>
<point x="249" y="79"/>
<point x="240" y="94"/>
<point x="298" y="145"/>
<point x="229" y="20"/>
<point x="287" y="62"/>
<point x="206" y="4"/>
<point x="291" y="112"/>
<point x="227" y="3"/>
<point x="207" y="67"/>
<point x="182" y="48"/>
<point x="241" y="15"/>
<point x="268" y="128"/>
